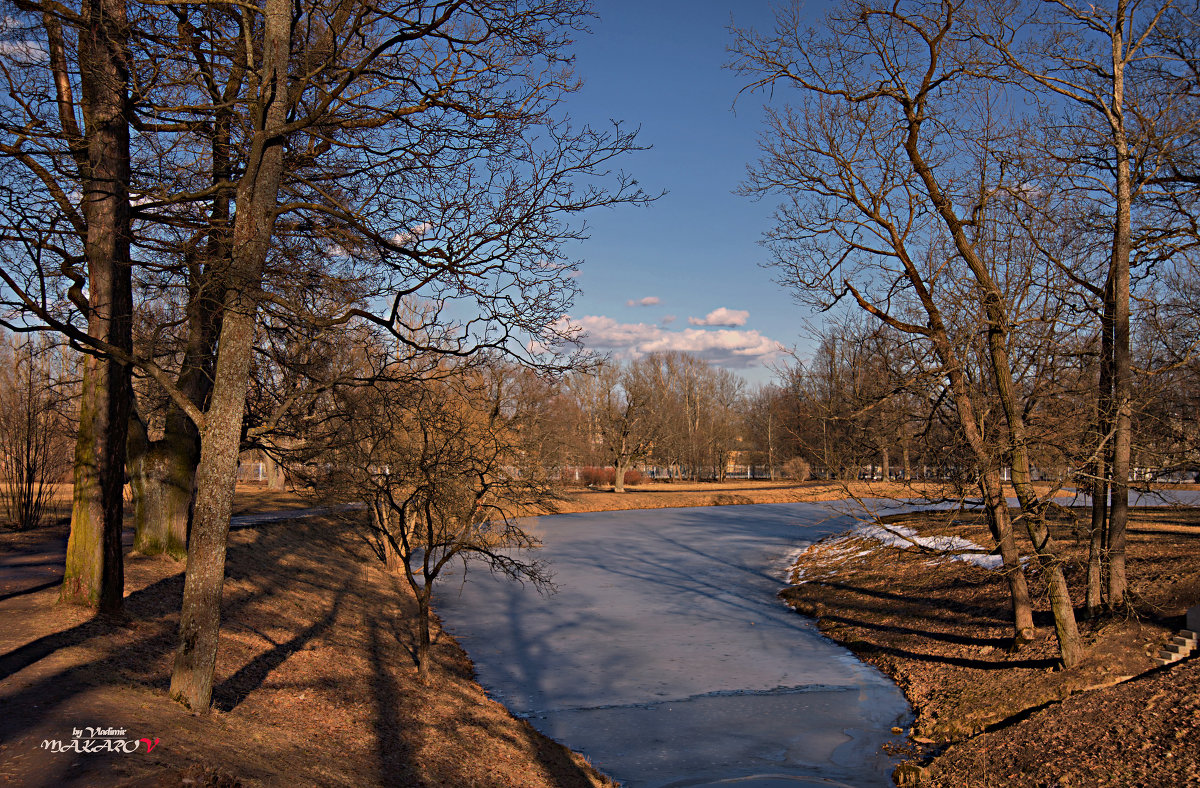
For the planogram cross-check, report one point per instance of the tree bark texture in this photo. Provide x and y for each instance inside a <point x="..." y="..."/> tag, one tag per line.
<point x="1098" y="529"/>
<point x="94" y="570"/>
<point x="257" y="201"/>
<point x="1122" y="363"/>
<point x="162" y="475"/>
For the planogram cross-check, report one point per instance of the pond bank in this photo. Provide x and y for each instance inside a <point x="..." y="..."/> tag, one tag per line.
<point x="986" y="716"/>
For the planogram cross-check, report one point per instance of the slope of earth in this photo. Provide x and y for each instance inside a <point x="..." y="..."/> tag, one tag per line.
<point x="314" y="683"/>
<point x="662" y="495"/>
<point x="986" y="716"/>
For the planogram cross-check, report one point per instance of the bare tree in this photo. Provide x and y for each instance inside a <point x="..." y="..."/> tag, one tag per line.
<point x="861" y="164"/>
<point x="620" y="405"/>
<point x="1125" y="131"/>
<point x="442" y="466"/>
<point x="35" y="432"/>
<point x="64" y="142"/>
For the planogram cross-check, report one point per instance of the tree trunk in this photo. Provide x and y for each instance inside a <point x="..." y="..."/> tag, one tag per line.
<point x="162" y="476"/>
<point x="996" y="311"/>
<point x="619" y="475"/>
<point x="257" y="200"/>
<point x="276" y="478"/>
<point x="1122" y="370"/>
<point x="990" y="480"/>
<point x="1000" y="524"/>
<point x="94" y="569"/>
<point x="423" y="638"/>
<point x="1098" y="529"/>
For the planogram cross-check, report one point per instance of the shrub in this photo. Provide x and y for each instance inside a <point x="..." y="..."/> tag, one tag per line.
<point x="797" y="469"/>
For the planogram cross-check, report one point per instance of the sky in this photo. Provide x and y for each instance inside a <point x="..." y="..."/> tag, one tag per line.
<point x="683" y="273"/>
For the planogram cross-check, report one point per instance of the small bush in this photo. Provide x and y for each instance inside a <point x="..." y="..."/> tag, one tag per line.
<point x="597" y="477"/>
<point x="797" y="469"/>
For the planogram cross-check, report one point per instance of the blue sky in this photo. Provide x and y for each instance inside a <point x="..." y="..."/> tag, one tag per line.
<point x="659" y="64"/>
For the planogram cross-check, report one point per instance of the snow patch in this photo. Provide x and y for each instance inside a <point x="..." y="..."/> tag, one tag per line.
<point x="954" y="547"/>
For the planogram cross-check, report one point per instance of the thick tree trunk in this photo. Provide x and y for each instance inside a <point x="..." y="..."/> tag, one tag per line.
<point x="162" y="478"/>
<point x="276" y="478"/>
<point x="94" y="570"/>
<point x="199" y="625"/>
<point x="257" y="201"/>
<point x="619" y="475"/>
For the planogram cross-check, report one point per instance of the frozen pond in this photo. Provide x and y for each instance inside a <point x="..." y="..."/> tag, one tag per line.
<point x="667" y="659"/>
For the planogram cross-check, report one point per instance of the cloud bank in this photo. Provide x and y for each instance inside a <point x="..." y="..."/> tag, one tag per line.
<point x="721" y="317"/>
<point x="726" y="348"/>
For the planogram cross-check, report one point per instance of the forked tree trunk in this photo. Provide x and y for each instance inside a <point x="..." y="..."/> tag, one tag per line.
<point x="990" y="481"/>
<point x="619" y="467"/>
<point x="1033" y="511"/>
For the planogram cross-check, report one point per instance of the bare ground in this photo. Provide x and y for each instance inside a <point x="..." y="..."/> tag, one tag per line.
<point x="315" y="683"/>
<point x="987" y="716"/>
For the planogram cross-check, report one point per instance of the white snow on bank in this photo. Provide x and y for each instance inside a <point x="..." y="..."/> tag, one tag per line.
<point x="789" y="563"/>
<point x="846" y="548"/>
<point x="953" y="547"/>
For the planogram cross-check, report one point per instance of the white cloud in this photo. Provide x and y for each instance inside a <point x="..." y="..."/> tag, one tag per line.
<point x="647" y="301"/>
<point x="721" y="317"/>
<point x="24" y="51"/>
<point x="414" y="233"/>
<point x="632" y="340"/>
<point x="668" y="319"/>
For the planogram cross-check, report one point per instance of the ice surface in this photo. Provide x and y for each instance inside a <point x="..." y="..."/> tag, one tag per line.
<point x="667" y="659"/>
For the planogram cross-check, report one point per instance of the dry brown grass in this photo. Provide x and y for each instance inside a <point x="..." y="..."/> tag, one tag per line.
<point x="660" y="495"/>
<point x="940" y="629"/>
